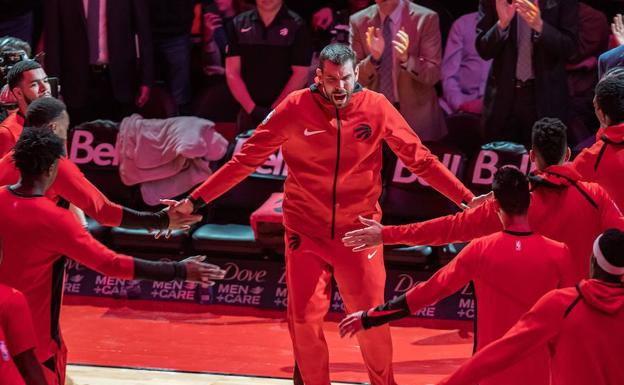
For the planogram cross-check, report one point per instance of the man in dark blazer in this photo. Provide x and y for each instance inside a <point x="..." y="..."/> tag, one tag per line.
<point x="529" y="45"/>
<point x="91" y="46"/>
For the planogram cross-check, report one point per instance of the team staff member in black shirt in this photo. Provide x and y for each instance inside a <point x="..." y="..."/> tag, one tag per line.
<point x="268" y="57"/>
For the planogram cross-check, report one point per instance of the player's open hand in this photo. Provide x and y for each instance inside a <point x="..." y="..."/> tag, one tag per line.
<point x="375" y="42"/>
<point x="351" y="324"/>
<point x="617" y="28"/>
<point x="199" y="271"/>
<point x="180" y="215"/>
<point x="365" y="238"/>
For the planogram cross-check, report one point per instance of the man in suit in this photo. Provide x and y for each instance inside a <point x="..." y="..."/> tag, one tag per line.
<point x="399" y="51"/>
<point x="529" y="43"/>
<point x="91" y="47"/>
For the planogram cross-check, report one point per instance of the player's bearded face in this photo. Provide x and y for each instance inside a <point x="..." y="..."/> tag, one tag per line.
<point x="337" y="82"/>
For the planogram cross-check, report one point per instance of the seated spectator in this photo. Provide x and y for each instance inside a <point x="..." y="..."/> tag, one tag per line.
<point x="582" y="74"/>
<point x="464" y="72"/>
<point x="614" y="57"/>
<point x="171" y="23"/>
<point x="268" y="57"/>
<point x="399" y="49"/>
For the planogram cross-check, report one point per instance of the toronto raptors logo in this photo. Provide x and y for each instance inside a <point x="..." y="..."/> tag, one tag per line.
<point x="294" y="241"/>
<point x="363" y="132"/>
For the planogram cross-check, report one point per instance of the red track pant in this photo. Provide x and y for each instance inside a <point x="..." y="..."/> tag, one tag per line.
<point x="361" y="277"/>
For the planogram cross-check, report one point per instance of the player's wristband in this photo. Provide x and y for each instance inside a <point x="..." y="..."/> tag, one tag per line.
<point x="389" y="311"/>
<point x="198" y="203"/>
<point x="159" y="271"/>
<point x="133" y="219"/>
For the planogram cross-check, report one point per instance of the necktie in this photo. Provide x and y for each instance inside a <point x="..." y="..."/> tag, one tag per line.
<point x="524" y="64"/>
<point x="93" y="30"/>
<point x="386" y="84"/>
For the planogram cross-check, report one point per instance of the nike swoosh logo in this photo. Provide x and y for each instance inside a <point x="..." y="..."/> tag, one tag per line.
<point x="310" y="133"/>
<point x="371" y="255"/>
<point x="243" y="30"/>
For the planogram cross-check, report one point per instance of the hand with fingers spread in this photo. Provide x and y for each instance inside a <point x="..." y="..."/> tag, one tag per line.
<point x="506" y="12"/>
<point x="365" y="238"/>
<point x="351" y="324"/>
<point x="199" y="271"/>
<point x="531" y="13"/>
<point x="212" y="22"/>
<point x="401" y="45"/>
<point x="617" y="27"/>
<point x="375" y="42"/>
<point x="180" y="216"/>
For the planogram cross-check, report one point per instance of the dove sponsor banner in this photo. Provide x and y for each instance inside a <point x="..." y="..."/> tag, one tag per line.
<point x="254" y="283"/>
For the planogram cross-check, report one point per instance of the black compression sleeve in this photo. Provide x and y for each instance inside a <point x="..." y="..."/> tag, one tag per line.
<point x="159" y="271"/>
<point x="133" y="219"/>
<point x="389" y="311"/>
<point x="197" y="203"/>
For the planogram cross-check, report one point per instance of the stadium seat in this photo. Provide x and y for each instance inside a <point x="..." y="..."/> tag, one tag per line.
<point x="228" y="223"/>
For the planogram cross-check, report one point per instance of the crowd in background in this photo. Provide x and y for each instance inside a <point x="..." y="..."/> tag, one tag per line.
<point x="234" y="60"/>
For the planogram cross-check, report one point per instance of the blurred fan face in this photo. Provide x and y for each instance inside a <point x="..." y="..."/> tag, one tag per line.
<point x="269" y="5"/>
<point x="387" y="6"/>
<point x="224" y="5"/>
<point x="337" y="81"/>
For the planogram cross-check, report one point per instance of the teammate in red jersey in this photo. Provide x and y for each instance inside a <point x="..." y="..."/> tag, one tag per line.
<point x="581" y="327"/>
<point x="510" y="269"/>
<point x="563" y="208"/>
<point x="331" y="136"/>
<point x="36" y="234"/>
<point x="18" y="362"/>
<point x="602" y="161"/>
<point x="72" y="186"/>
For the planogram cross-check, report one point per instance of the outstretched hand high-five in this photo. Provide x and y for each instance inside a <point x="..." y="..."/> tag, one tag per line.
<point x="180" y="215"/>
<point x="365" y="238"/>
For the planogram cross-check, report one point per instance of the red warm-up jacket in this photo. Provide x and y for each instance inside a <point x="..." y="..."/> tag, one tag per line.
<point x="334" y="160"/>
<point x="10" y="130"/>
<point x="603" y="162"/>
<point x="581" y="325"/>
<point x="562" y="208"/>
<point x="71" y="185"/>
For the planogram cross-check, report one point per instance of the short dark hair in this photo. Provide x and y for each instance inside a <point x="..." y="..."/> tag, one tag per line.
<point x="615" y="71"/>
<point x="610" y="97"/>
<point x="511" y="190"/>
<point x="549" y="139"/>
<point x="611" y="244"/>
<point x="10" y="43"/>
<point x="43" y="111"/>
<point x="16" y="73"/>
<point x="336" y="53"/>
<point x="36" y="151"/>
